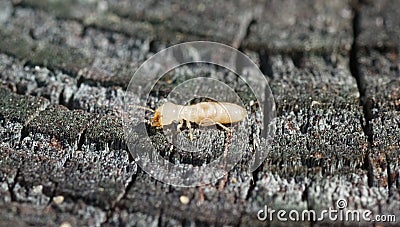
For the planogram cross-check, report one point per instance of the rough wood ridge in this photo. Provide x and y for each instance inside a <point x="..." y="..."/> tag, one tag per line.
<point x="333" y="67"/>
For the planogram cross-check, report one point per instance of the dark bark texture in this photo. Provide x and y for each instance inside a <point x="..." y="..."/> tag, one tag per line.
<point x="333" y="68"/>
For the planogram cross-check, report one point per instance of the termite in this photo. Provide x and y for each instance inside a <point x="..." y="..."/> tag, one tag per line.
<point x="203" y="113"/>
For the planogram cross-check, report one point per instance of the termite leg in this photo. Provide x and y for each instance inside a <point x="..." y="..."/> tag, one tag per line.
<point x="201" y="195"/>
<point x="190" y="130"/>
<point x="179" y="126"/>
<point x="230" y="130"/>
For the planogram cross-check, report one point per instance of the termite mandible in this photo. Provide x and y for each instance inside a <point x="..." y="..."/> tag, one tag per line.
<point x="203" y="113"/>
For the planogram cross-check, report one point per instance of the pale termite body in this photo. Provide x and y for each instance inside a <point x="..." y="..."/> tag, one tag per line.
<point x="203" y="113"/>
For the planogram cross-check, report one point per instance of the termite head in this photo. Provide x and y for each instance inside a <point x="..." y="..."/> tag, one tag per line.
<point x="156" y="120"/>
<point x="165" y="115"/>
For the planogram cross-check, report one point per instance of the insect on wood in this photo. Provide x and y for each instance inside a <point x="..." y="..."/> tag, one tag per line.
<point x="203" y="113"/>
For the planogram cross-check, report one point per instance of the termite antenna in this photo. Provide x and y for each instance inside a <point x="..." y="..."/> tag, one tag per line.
<point x="142" y="107"/>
